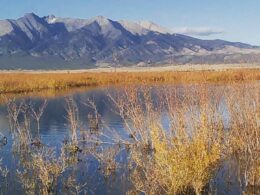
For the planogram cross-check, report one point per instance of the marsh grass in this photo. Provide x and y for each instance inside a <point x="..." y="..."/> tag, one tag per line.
<point x="29" y="82"/>
<point x="185" y="155"/>
<point x="176" y="138"/>
<point x="173" y="161"/>
<point x="245" y="134"/>
<point x="41" y="170"/>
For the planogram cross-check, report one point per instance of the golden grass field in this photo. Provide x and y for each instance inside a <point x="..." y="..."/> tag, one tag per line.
<point x="19" y="82"/>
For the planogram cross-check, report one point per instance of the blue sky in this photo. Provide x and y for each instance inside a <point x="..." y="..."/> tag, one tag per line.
<point x="233" y="20"/>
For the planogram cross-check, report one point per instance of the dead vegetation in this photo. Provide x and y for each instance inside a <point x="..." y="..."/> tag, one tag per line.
<point x="176" y="138"/>
<point x="40" y="168"/>
<point x="183" y="154"/>
<point x="30" y="82"/>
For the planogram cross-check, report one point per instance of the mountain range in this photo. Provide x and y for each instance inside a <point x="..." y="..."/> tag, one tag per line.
<point x="49" y="42"/>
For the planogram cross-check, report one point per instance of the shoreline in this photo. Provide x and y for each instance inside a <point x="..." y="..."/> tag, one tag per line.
<point x="20" y="82"/>
<point x="164" y="68"/>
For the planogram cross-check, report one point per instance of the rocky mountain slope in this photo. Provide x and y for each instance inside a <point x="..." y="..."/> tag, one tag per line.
<point x="33" y="42"/>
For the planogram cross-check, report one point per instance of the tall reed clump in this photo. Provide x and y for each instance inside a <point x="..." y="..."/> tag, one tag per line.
<point x="19" y="121"/>
<point x="185" y="163"/>
<point x="181" y="157"/>
<point x="180" y="136"/>
<point x="41" y="172"/>
<point x="40" y="169"/>
<point x="244" y="112"/>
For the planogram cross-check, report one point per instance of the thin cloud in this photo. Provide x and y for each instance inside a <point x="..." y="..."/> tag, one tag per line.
<point x="197" y="31"/>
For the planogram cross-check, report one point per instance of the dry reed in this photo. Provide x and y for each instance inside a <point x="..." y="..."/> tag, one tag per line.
<point x="176" y="139"/>
<point x="28" y="82"/>
<point x="185" y="156"/>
